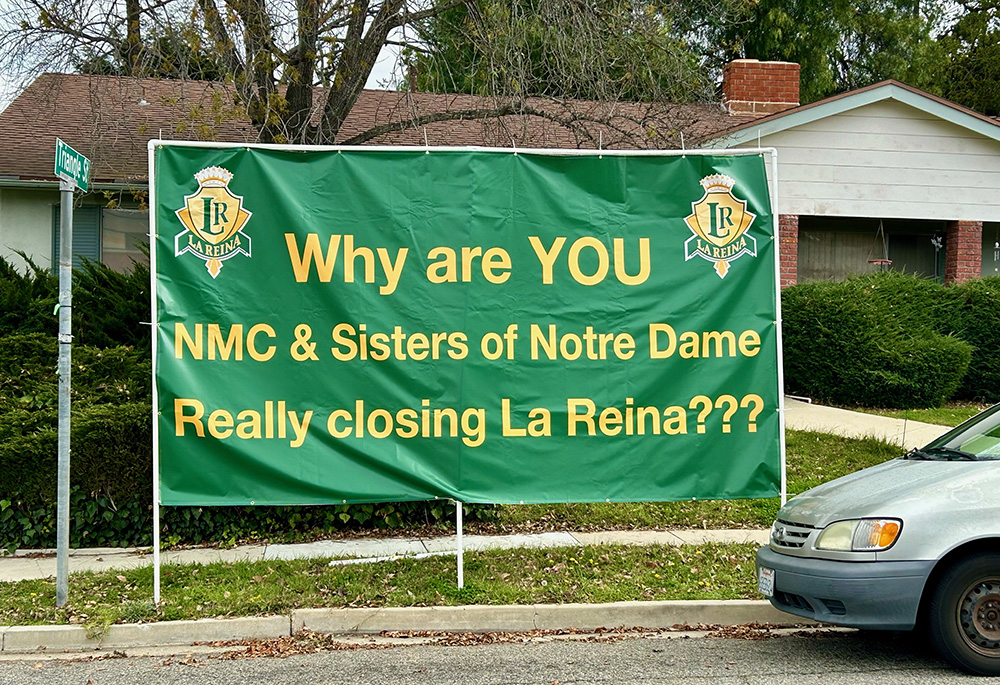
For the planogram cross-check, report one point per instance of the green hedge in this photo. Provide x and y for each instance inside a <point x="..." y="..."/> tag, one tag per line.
<point x="977" y="321"/>
<point x="27" y="299"/>
<point x="879" y="341"/>
<point x="109" y="308"/>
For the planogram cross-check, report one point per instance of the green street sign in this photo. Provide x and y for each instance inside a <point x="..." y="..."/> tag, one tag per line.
<point x="72" y="166"/>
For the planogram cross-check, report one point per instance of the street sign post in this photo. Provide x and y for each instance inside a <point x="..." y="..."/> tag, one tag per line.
<point x="74" y="170"/>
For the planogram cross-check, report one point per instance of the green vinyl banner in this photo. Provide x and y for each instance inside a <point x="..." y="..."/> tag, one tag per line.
<point x="372" y="324"/>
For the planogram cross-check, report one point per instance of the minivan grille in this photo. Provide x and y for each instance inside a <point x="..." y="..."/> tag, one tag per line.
<point x="789" y="535"/>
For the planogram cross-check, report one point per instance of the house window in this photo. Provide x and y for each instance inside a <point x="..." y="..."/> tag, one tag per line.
<point x="833" y="248"/>
<point x="124" y="237"/>
<point x="117" y="237"/>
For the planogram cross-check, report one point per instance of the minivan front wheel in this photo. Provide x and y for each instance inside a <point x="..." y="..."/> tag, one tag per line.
<point x="964" y="615"/>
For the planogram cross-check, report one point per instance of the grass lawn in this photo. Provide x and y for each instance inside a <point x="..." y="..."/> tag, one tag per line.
<point x="951" y="414"/>
<point x="602" y="573"/>
<point x="812" y="458"/>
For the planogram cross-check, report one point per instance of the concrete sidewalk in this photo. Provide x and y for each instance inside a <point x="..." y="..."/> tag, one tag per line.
<point x="24" y="565"/>
<point x="852" y="424"/>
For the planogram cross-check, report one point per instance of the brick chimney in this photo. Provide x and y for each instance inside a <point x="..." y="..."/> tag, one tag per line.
<point x="760" y="88"/>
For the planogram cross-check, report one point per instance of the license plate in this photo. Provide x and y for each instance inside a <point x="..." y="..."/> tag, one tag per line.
<point x="765" y="581"/>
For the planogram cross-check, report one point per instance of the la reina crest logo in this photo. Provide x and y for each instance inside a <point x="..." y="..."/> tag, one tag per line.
<point x="213" y="218"/>
<point x="719" y="221"/>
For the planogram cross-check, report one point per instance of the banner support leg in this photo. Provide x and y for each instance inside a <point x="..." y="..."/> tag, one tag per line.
<point x="458" y="538"/>
<point x="156" y="550"/>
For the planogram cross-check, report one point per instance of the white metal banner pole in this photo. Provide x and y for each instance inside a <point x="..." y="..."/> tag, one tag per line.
<point x="458" y="537"/>
<point x="154" y="332"/>
<point x="156" y="550"/>
<point x="65" y="345"/>
<point x="776" y="211"/>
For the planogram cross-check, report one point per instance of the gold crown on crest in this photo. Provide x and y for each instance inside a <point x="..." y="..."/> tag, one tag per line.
<point x="214" y="176"/>
<point x="717" y="183"/>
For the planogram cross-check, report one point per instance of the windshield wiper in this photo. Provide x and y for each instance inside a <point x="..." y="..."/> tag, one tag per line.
<point x="946" y="453"/>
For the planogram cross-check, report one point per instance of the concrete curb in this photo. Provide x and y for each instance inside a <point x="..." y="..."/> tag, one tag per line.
<point x="471" y="618"/>
<point x="75" y="638"/>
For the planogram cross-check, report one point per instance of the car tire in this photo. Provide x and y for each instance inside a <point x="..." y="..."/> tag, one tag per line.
<point x="964" y="614"/>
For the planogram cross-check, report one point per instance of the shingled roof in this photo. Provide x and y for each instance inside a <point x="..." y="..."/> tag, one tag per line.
<point x="110" y="119"/>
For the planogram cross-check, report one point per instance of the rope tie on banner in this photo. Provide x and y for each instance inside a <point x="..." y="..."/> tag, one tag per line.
<point x="427" y="148"/>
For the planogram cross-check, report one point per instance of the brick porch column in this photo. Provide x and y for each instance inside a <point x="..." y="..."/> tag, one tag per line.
<point x="788" y="249"/>
<point x="963" y="251"/>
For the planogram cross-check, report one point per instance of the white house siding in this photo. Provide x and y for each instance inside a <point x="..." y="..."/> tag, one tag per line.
<point x="887" y="160"/>
<point x="26" y="224"/>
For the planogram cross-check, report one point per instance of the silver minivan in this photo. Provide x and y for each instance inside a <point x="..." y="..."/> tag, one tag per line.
<point x="913" y="542"/>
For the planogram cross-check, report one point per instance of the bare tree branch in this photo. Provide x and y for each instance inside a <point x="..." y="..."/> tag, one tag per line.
<point x="298" y="67"/>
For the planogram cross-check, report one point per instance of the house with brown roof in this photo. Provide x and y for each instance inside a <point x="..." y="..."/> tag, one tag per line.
<point x="881" y="176"/>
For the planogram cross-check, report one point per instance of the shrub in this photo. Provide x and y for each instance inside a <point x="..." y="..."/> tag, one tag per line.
<point x="109" y="307"/>
<point x="872" y="341"/>
<point x="27" y="299"/>
<point x="977" y="321"/>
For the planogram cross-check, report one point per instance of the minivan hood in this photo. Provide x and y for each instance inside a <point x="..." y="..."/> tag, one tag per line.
<point x="894" y="489"/>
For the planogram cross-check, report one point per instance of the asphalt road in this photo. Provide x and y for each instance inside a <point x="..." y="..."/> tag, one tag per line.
<point x="827" y="658"/>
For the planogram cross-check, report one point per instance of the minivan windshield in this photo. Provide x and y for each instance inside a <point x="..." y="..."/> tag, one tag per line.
<point x="978" y="439"/>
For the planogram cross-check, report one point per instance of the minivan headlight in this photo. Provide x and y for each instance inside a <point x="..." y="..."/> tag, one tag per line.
<point x="860" y="535"/>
